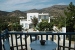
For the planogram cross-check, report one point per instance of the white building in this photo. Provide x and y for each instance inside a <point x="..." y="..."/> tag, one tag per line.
<point x="26" y="22"/>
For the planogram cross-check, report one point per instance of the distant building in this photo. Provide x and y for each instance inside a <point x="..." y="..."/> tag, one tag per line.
<point x="26" y="22"/>
<point x="21" y="17"/>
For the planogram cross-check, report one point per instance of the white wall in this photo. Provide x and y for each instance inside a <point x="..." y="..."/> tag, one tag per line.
<point x="31" y="14"/>
<point x="63" y="31"/>
<point x="25" y="24"/>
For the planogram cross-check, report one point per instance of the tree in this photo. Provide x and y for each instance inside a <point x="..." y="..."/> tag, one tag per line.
<point x="34" y="21"/>
<point x="3" y="26"/>
<point x="70" y="20"/>
<point x="15" y="27"/>
<point x="6" y="20"/>
<point x="45" y="25"/>
<point x="59" y="21"/>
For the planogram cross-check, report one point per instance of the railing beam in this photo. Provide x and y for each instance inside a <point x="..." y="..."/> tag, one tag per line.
<point x="69" y="41"/>
<point x="58" y="42"/>
<point x="42" y="33"/>
<point x="0" y="42"/>
<point x="64" y="42"/>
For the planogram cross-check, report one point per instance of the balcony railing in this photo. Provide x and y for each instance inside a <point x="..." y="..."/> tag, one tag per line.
<point x="21" y="40"/>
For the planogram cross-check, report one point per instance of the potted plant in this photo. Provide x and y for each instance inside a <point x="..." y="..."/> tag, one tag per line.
<point x="42" y="42"/>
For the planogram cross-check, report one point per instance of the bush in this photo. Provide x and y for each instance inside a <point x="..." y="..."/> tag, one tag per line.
<point x="72" y="37"/>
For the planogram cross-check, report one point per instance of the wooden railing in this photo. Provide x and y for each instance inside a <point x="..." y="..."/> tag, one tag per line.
<point x="19" y="40"/>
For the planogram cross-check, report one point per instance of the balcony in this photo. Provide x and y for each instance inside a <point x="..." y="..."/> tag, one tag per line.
<point x="21" y="41"/>
<point x="43" y="13"/>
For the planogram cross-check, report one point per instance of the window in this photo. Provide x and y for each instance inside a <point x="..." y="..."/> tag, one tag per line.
<point x="30" y="17"/>
<point x="26" y="25"/>
<point x="44" y="16"/>
<point x="39" y="17"/>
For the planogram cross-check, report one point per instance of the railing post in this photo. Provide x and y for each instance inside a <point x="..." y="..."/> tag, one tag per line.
<point x="0" y="42"/>
<point x="6" y="31"/>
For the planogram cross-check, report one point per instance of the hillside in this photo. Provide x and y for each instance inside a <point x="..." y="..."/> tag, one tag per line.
<point x="31" y="11"/>
<point x="56" y="11"/>
<point x="17" y="13"/>
<point x="3" y="13"/>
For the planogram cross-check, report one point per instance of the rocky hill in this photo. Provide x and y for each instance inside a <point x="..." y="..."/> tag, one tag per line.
<point x="16" y="13"/>
<point x="56" y="10"/>
<point x="31" y="11"/>
<point x="3" y="13"/>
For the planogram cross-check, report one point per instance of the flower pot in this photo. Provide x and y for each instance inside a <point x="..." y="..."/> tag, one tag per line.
<point x="42" y="42"/>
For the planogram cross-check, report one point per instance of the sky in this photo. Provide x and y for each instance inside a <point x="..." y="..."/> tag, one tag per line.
<point x="23" y="5"/>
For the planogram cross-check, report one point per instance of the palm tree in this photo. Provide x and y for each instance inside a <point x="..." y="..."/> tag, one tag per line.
<point x="34" y="21"/>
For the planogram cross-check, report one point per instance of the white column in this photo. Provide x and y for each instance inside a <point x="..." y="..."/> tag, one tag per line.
<point x="49" y="20"/>
<point x="63" y="31"/>
<point x="40" y="21"/>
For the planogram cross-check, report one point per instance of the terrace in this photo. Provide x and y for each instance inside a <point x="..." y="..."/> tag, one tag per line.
<point x="21" y="40"/>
